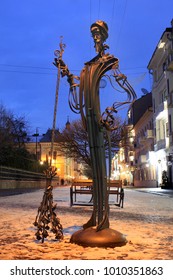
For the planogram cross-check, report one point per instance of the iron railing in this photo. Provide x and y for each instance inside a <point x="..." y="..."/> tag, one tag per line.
<point x="8" y="173"/>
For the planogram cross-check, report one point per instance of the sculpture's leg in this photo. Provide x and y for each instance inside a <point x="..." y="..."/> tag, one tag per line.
<point x="103" y="218"/>
<point x="93" y="220"/>
<point x="100" y="199"/>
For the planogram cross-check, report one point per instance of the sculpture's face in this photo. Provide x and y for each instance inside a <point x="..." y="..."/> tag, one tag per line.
<point x="98" y="38"/>
<point x="96" y="34"/>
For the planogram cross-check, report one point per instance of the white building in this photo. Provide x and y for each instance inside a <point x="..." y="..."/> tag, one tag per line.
<point x="161" y="68"/>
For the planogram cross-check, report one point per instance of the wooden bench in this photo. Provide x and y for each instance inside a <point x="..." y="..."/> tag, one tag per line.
<point x="85" y="187"/>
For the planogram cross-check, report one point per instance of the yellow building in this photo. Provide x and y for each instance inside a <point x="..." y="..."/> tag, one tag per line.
<point x="67" y="168"/>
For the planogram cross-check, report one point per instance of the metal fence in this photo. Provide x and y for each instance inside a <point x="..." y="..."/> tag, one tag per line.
<point x="8" y="173"/>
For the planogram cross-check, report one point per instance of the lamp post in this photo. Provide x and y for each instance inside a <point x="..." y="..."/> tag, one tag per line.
<point x="84" y="99"/>
<point x="36" y="142"/>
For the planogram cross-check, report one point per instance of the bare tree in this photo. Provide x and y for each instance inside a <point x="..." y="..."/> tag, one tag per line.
<point x="74" y="141"/>
<point x="13" y="135"/>
<point x="13" y="129"/>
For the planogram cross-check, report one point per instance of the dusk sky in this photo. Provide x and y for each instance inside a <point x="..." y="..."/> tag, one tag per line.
<point x="30" y="32"/>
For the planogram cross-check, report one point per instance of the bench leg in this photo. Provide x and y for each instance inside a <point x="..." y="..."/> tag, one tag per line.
<point x="71" y="197"/>
<point x="91" y="200"/>
<point x="75" y="194"/>
<point x="122" y="198"/>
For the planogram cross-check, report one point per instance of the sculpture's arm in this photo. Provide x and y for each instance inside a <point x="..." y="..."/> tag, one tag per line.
<point x="59" y="63"/>
<point x="107" y="118"/>
<point x="73" y="100"/>
<point x="121" y="79"/>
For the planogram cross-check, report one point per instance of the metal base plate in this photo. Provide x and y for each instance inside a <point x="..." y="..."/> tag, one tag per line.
<point x="104" y="238"/>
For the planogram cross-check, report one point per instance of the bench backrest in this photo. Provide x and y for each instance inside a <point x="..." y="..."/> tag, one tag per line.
<point x="115" y="183"/>
<point x="80" y="182"/>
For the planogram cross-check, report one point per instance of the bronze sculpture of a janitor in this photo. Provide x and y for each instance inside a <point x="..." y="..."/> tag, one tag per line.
<point x="84" y="98"/>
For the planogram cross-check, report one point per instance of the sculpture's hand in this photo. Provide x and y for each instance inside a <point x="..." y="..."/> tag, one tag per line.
<point x="59" y="63"/>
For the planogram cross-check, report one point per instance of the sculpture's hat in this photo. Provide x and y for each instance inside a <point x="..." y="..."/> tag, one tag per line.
<point x="103" y="28"/>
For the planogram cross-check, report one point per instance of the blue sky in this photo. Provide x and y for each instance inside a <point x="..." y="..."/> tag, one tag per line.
<point x="30" y="31"/>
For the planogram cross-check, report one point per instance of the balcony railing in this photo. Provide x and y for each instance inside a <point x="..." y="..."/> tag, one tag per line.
<point x="170" y="61"/>
<point x="171" y="138"/>
<point x="170" y="99"/>
<point x="161" y="144"/>
<point x="142" y="159"/>
<point x="159" y="108"/>
<point x="141" y="140"/>
<point x="149" y="133"/>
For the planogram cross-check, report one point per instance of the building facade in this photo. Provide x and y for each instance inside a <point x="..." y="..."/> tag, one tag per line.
<point x="136" y="154"/>
<point x="161" y="68"/>
<point x="67" y="168"/>
<point x="144" y="156"/>
<point x="147" y="152"/>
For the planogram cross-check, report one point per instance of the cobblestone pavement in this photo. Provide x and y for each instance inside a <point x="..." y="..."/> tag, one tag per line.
<point x="146" y="220"/>
<point x="156" y="191"/>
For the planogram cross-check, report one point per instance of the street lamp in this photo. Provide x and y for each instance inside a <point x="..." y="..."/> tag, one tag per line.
<point x="36" y="142"/>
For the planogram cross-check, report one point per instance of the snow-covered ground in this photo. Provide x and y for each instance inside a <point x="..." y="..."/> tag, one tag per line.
<point x="146" y="220"/>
